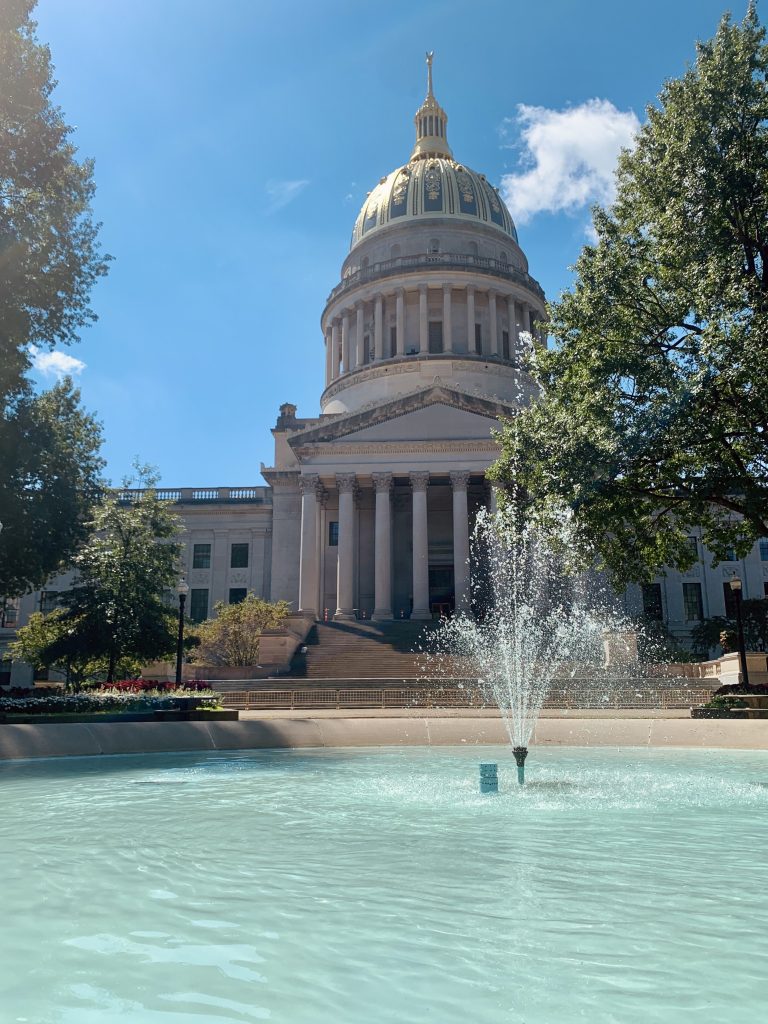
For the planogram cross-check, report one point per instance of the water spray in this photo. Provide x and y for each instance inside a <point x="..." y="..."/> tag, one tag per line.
<point x="489" y="778"/>
<point x="520" y="755"/>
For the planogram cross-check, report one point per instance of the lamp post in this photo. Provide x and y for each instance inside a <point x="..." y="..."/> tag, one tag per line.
<point x="183" y="590"/>
<point x="735" y="585"/>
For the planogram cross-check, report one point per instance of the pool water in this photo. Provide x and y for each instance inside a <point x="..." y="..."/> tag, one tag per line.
<point x="372" y="886"/>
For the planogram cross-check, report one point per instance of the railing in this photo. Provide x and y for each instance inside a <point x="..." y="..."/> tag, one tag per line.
<point x="257" y="495"/>
<point x="437" y="261"/>
<point x="452" y="697"/>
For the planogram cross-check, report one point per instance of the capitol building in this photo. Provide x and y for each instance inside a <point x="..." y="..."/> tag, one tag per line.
<point x="368" y="507"/>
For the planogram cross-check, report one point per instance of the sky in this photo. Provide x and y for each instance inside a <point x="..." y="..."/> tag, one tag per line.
<point x="234" y="143"/>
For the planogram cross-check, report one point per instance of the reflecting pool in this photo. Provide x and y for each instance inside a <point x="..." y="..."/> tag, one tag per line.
<point x="371" y="886"/>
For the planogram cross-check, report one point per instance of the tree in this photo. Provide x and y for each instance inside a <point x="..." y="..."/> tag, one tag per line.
<point x="652" y="416"/>
<point x="115" y="609"/>
<point x="49" y="262"/>
<point x="57" y="641"/>
<point x="232" y="638"/>
<point x="50" y="470"/>
<point x="722" y="632"/>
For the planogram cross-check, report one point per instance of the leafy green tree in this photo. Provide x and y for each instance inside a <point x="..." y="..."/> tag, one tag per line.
<point x="115" y="610"/>
<point x="711" y="633"/>
<point x="50" y="473"/>
<point x="232" y="638"/>
<point x="653" y="413"/>
<point x="57" y="641"/>
<point x="49" y="262"/>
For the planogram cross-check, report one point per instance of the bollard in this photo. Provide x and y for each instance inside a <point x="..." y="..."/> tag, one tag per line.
<point x="489" y="778"/>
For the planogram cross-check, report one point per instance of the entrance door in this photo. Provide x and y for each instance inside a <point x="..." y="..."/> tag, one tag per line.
<point x="442" y="598"/>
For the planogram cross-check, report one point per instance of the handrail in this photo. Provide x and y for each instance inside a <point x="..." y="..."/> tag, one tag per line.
<point x="437" y="261"/>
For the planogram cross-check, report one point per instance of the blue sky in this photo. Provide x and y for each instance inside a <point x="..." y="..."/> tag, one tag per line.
<point x="235" y="142"/>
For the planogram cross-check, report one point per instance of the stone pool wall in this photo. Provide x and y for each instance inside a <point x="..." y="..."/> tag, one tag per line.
<point x="84" y="739"/>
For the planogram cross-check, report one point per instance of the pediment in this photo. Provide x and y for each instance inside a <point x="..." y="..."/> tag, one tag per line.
<point x="437" y="413"/>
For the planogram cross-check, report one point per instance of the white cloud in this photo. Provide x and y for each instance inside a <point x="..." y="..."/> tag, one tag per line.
<point x="281" y="193"/>
<point x="56" y="363"/>
<point x="568" y="157"/>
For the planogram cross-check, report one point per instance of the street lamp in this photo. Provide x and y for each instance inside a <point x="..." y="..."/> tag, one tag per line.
<point x="183" y="590"/>
<point x="735" y="585"/>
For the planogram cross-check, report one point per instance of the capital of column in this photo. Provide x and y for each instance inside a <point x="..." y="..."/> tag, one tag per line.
<point x="346" y="482"/>
<point x="419" y="479"/>
<point x="459" y="479"/>
<point x="382" y="481"/>
<point x="308" y="483"/>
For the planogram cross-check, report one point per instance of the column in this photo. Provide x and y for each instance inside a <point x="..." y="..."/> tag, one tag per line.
<point x="346" y="553"/>
<point x="308" y="561"/>
<point x="400" y="322"/>
<point x="423" y="330"/>
<point x="328" y="358"/>
<point x="511" y="328"/>
<point x="470" y="319"/>
<point x="494" y="326"/>
<point x="459" y="481"/>
<point x="382" y="580"/>
<point x="360" y="331"/>
<point x="345" y="342"/>
<point x="378" y="328"/>
<point x="447" y="323"/>
<point x="419" y="483"/>
<point x="336" y="345"/>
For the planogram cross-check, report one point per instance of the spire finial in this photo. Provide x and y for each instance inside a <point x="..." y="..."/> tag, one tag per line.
<point x="430" y="121"/>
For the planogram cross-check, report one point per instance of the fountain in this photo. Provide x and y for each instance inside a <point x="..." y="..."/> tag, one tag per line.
<point x="533" y="622"/>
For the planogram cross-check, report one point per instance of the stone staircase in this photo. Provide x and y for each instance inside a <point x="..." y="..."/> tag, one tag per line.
<point x="362" y="650"/>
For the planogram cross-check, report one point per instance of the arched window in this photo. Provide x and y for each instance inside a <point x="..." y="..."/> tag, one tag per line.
<point x="364" y="264"/>
<point x="394" y="252"/>
<point x="473" y="248"/>
<point x="434" y="245"/>
<point x="503" y="257"/>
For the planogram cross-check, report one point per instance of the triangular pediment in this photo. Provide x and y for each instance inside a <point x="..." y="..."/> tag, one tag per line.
<point x="434" y="413"/>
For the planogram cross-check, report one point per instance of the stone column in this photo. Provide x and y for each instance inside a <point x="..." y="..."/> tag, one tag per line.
<point x="421" y="610"/>
<point x="470" y="319"/>
<point x="336" y="346"/>
<point x="459" y="481"/>
<point x="382" y="581"/>
<point x="511" y="328"/>
<point x="447" y="323"/>
<point x="346" y="553"/>
<point x="378" y="328"/>
<point x="328" y="358"/>
<point x="493" y="324"/>
<point x="345" y="342"/>
<point x="423" y="329"/>
<point x="308" y="561"/>
<point x="400" y="323"/>
<point x="359" y="332"/>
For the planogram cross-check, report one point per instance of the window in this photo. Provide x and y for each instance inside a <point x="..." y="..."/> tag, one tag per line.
<point x="730" y="555"/>
<point x="49" y="599"/>
<point x="505" y="344"/>
<point x="765" y="590"/>
<point x="694" y="610"/>
<point x="729" y="597"/>
<point x="693" y="544"/>
<point x="238" y="558"/>
<point x="367" y="348"/>
<point x="237" y="594"/>
<point x="198" y="605"/>
<point x="392" y="340"/>
<point x="503" y="257"/>
<point x="201" y="556"/>
<point x="435" y="336"/>
<point x="479" y="339"/>
<point x="473" y="248"/>
<point x="333" y="535"/>
<point x="764" y="549"/>
<point x="652" y="607"/>
<point x="9" y="612"/>
<point x="434" y="245"/>
<point x="394" y="252"/>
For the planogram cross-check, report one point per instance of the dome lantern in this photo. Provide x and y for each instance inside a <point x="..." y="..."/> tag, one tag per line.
<point x="431" y="122"/>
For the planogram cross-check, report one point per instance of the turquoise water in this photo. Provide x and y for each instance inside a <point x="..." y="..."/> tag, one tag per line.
<point x="373" y="886"/>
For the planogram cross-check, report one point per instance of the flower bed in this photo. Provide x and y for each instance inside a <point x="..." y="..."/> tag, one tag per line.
<point x="136" y="697"/>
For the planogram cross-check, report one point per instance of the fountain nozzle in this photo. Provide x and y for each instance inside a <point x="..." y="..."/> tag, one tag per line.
<point x="520" y="754"/>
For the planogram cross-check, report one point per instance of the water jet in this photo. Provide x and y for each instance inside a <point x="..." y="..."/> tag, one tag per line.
<point x="520" y="754"/>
